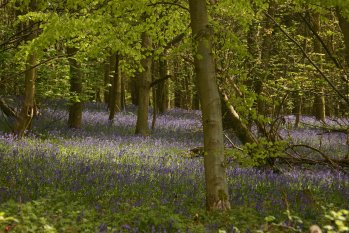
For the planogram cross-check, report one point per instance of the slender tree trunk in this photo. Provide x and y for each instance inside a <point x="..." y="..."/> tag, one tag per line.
<point x="134" y="89"/>
<point x="217" y="197"/>
<point x="27" y="112"/>
<point x="107" y="81"/>
<point x="75" y="108"/>
<point x="162" y="88"/>
<point x="297" y="110"/>
<point x="115" y="97"/>
<point x="142" y="126"/>
<point x="195" y="101"/>
<point x="123" y="93"/>
<point x="344" y="25"/>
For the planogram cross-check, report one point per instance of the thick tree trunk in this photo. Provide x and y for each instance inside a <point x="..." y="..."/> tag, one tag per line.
<point x="142" y="126"/>
<point x="217" y="197"/>
<point x="115" y="97"/>
<point x="27" y="112"/>
<point x="75" y="108"/>
<point x="319" y="109"/>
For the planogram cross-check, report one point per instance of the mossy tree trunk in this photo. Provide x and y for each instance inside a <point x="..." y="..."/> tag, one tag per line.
<point x="217" y="197"/>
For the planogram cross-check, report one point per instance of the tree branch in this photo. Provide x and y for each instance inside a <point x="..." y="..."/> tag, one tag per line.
<point x="156" y="82"/>
<point x="338" y="65"/>
<point x="169" y="3"/>
<point x="309" y="59"/>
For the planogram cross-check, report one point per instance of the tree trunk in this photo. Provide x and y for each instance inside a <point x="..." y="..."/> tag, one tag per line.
<point x="134" y="89"/>
<point x="217" y="197"/>
<point x="162" y="88"/>
<point x="297" y="109"/>
<point x="344" y="25"/>
<point x="123" y="93"/>
<point x="107" y="81"/>
<point x="266" y="52"/>
<point x="195" y="103"/>
<point x="27" y="112"/>
<point x="319" y="109"/>
<point x="234" y="121"/>
<point x="144" y="81"/>
<point x="115" y="97"/>
<point x="75" y="108"/>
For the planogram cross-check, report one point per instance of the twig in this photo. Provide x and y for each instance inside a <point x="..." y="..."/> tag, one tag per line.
<point x="318" y="151"/>
<point x="232" y="143"/>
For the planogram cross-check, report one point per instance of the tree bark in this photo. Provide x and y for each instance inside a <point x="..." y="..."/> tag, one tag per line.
<point x="134" y="89"/>
<point x="144" y="81"/>
<point x="115" y="97"/>
<point x="234" y="121"/>
<point x="319" y="109"/>
<point x="162" y="88"/>
<point x="217" y="196"/>
<point x="344" y="25"/>
<point x="107" y="81"/>
<point x="75" y="108"/>
<point x="26" y="114"/>
<point x="123" y="93"/>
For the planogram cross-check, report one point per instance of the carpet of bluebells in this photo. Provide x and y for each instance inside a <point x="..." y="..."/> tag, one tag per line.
<point x="103" y="178"/>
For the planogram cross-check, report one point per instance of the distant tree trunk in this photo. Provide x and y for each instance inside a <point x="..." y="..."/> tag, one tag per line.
<point x="134" y="88"/>
<point x="297" y="109"/>
<point x="162" y="88"/>
<point x="75" y="108"/>
<point x="115" y="97"/>
<point x="107" y="81"/>
<point x="123" y="92"/>
<point x="27" y="112"/>
<point x="142" y="126"/>
<point x="319" y="109"/>
<point x="195" y="103"/>
<point x="344" y="25"/>
<point x="265" y="54"/>
<point x="217" y="196"/>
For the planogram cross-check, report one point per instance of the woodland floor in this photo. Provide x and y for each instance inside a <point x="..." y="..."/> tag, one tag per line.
<point x="103" y="178"/>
